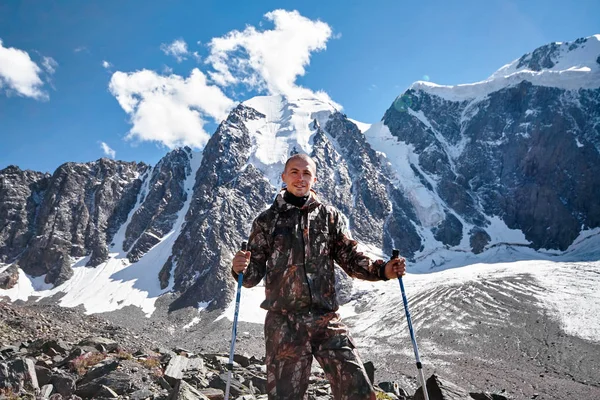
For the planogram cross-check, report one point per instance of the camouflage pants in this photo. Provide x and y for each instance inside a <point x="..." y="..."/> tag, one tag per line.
<point x="291" y="342"/>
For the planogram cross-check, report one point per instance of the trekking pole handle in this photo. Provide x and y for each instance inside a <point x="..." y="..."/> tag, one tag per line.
<point x="395" y="253"/>
<point x="244" y="246"/>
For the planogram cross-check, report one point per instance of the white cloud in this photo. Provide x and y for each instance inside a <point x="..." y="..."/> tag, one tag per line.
<point x="173" y="110"/>
<point x="177" y="49"/>
<point x="270" y="60"/>
<point x="169" y="109"/>
<point x="18" y="73"/>
<point x="106" y="64"/>
<point x="107" y="150"/>
<point x="49" y="65"/>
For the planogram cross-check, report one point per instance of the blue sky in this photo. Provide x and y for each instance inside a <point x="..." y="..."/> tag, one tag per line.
<point x="81" y="80"/>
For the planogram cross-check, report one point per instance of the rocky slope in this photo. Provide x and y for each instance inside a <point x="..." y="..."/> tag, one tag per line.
<point x="97" y="360"/>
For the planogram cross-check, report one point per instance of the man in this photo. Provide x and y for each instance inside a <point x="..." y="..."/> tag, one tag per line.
<point x="293" y="245"/>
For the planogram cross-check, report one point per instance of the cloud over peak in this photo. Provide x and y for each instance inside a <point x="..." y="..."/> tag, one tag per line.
<point x="169" y="109"/>
<point x="108" y="151"/>
<point x="173" y="110"/>
<point x="269" y="60"/>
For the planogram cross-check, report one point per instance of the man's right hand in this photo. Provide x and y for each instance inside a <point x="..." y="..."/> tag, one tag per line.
<point x="240" y="261"/>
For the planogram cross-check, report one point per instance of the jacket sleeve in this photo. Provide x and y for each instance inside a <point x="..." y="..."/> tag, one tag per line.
<point x="345" y="253"/>
<point x="258" y="246"/>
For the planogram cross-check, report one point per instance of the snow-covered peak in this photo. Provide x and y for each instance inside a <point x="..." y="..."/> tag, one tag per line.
<point x="289" y="124"/>
<point x="567" y="65"/>
<point x="580" y="55"/>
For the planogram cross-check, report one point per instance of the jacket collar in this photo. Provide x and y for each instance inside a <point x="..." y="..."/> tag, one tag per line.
<point x="280" y="205"/>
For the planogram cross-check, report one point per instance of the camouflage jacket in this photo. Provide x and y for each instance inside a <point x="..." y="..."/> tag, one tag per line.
<point x="294" y="249"/>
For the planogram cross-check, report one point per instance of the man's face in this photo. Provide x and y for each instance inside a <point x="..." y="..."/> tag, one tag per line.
<point x="299" y="176"/>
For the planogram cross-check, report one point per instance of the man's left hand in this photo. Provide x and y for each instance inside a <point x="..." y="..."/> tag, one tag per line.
<point x="395" y="268"/>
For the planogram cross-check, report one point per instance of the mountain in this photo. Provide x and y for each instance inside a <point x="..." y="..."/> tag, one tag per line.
<point x="450" y="175"/>
<point x="489" y="189"/>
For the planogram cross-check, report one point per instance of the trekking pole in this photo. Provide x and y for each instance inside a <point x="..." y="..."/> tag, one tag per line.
<point x="396" y="254"/>
<point x="234" y="329"/>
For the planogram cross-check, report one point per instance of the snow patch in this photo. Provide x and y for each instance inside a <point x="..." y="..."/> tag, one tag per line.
<point x="401" y="156"/>
<point x="500" y="233"/>
<point x="193" y="322"/>
<point x="250" y="311"/>
<point x="288" y="125"/>
<point x="360" y="125"/>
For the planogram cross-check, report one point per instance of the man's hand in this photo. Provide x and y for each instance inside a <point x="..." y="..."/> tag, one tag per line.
<point x="240" y="261"/>
<point x="395" y="268"/>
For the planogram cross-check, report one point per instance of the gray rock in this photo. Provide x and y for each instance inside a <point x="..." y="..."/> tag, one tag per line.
<point x="63" y="383"/>
<point x="141" y="394"/>
<point x="46" y="391"/>
<point x="442" y="389"/>
<point x="236" y="388"/>
<point x="98" y="371"/>
<point x="108" y="344"/>
<point x="19" y="374"/>
<point x="213" y="394"/>
<point x="58" y="345"/>
<point x="9" y="277"/>
<point x="43" y="374"/>
<point x="174" y="371"/>
<point x="183" y="391"/>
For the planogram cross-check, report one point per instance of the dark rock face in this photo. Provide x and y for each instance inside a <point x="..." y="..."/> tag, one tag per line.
<point x="166" y="196"/>
<point x="228" y="194"/>
<point x="547" y="56"/>
<point x="449" y="231"/>
<point x="21" y="193"/>
<point x="541" y="58"/>
<point x="353" y="179"/>
<point x="526" y="154"/>
<point x="83" y="206"/>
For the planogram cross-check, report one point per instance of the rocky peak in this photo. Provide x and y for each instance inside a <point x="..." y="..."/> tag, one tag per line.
<point x="552" y="54"/>
<point x="83" y="206"/>
<point x="162" y="198"/>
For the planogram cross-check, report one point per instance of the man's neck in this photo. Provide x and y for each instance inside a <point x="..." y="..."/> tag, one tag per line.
<point x="295" y="200"/>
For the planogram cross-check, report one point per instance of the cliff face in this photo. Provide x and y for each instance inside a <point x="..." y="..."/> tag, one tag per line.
<point x="526" y="154"/>
<point x="73" y="213"/>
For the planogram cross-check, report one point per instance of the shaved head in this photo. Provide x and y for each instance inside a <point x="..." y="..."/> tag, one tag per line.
<point x="304" y="157"/>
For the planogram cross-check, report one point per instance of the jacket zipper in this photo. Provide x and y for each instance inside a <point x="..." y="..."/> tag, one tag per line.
<point x="304" y="257"/>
